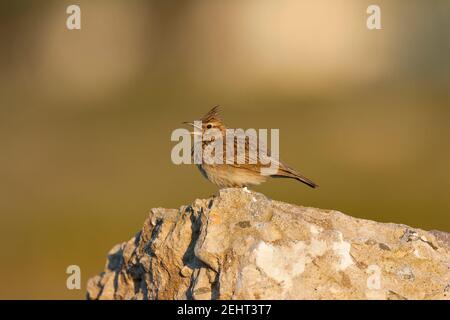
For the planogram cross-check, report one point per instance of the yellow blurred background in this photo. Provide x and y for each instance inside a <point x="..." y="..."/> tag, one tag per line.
<point x="86" y="116"/>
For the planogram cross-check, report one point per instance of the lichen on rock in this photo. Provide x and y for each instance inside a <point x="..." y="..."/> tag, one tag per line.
<point x="242" y="245"/>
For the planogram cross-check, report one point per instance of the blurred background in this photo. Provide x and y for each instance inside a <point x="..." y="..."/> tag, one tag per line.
<point x="86" y="116"/>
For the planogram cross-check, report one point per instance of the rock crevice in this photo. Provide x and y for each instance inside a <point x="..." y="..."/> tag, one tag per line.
<point x="242" y="245"/>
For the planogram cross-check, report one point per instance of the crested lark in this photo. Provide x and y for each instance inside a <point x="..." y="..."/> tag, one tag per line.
<point x="237" y="173"/>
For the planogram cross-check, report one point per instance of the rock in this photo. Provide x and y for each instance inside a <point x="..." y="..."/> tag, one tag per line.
<point x="242" y="245"/>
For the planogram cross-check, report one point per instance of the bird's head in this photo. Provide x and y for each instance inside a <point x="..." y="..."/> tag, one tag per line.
<point x="211" y="127"/>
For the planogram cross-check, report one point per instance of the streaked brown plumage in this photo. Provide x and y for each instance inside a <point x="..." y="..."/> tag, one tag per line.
<point x="235" y="174"/>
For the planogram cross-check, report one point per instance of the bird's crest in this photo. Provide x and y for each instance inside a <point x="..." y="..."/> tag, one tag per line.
<point x="212" y="115"/>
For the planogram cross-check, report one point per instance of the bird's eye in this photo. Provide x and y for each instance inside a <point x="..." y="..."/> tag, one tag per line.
<point x="209" y="126"/>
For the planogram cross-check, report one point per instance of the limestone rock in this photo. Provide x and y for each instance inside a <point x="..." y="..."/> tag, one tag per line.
<point x="242" y="245"/>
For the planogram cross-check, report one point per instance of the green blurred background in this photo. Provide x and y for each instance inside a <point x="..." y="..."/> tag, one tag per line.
<point x="86" y="116"/>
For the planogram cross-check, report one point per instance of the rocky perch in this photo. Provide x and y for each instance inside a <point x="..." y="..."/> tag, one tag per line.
<point x="242" y="245"/>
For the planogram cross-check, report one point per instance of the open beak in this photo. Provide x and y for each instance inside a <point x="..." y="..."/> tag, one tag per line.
<point x="194" y="126"/>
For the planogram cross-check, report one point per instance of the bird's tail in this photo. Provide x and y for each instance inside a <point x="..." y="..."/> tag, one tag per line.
<point x="286" y="172"/>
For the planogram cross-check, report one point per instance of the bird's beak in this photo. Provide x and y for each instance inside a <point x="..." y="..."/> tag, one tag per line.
<point x="189" y="123"/>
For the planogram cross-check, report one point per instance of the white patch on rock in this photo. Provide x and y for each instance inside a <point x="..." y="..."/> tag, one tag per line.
<point x="315" y="229"/>
<point x="416" y="253"/>
<point x="342" y="249"/>
<point x="317" y="247"/>
<point x="282" y="263"/>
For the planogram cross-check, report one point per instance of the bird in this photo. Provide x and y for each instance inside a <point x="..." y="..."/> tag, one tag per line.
<point x="235" y="174"/>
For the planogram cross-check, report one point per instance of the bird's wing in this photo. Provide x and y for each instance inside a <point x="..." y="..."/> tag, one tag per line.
<point x="263" y="159"/>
